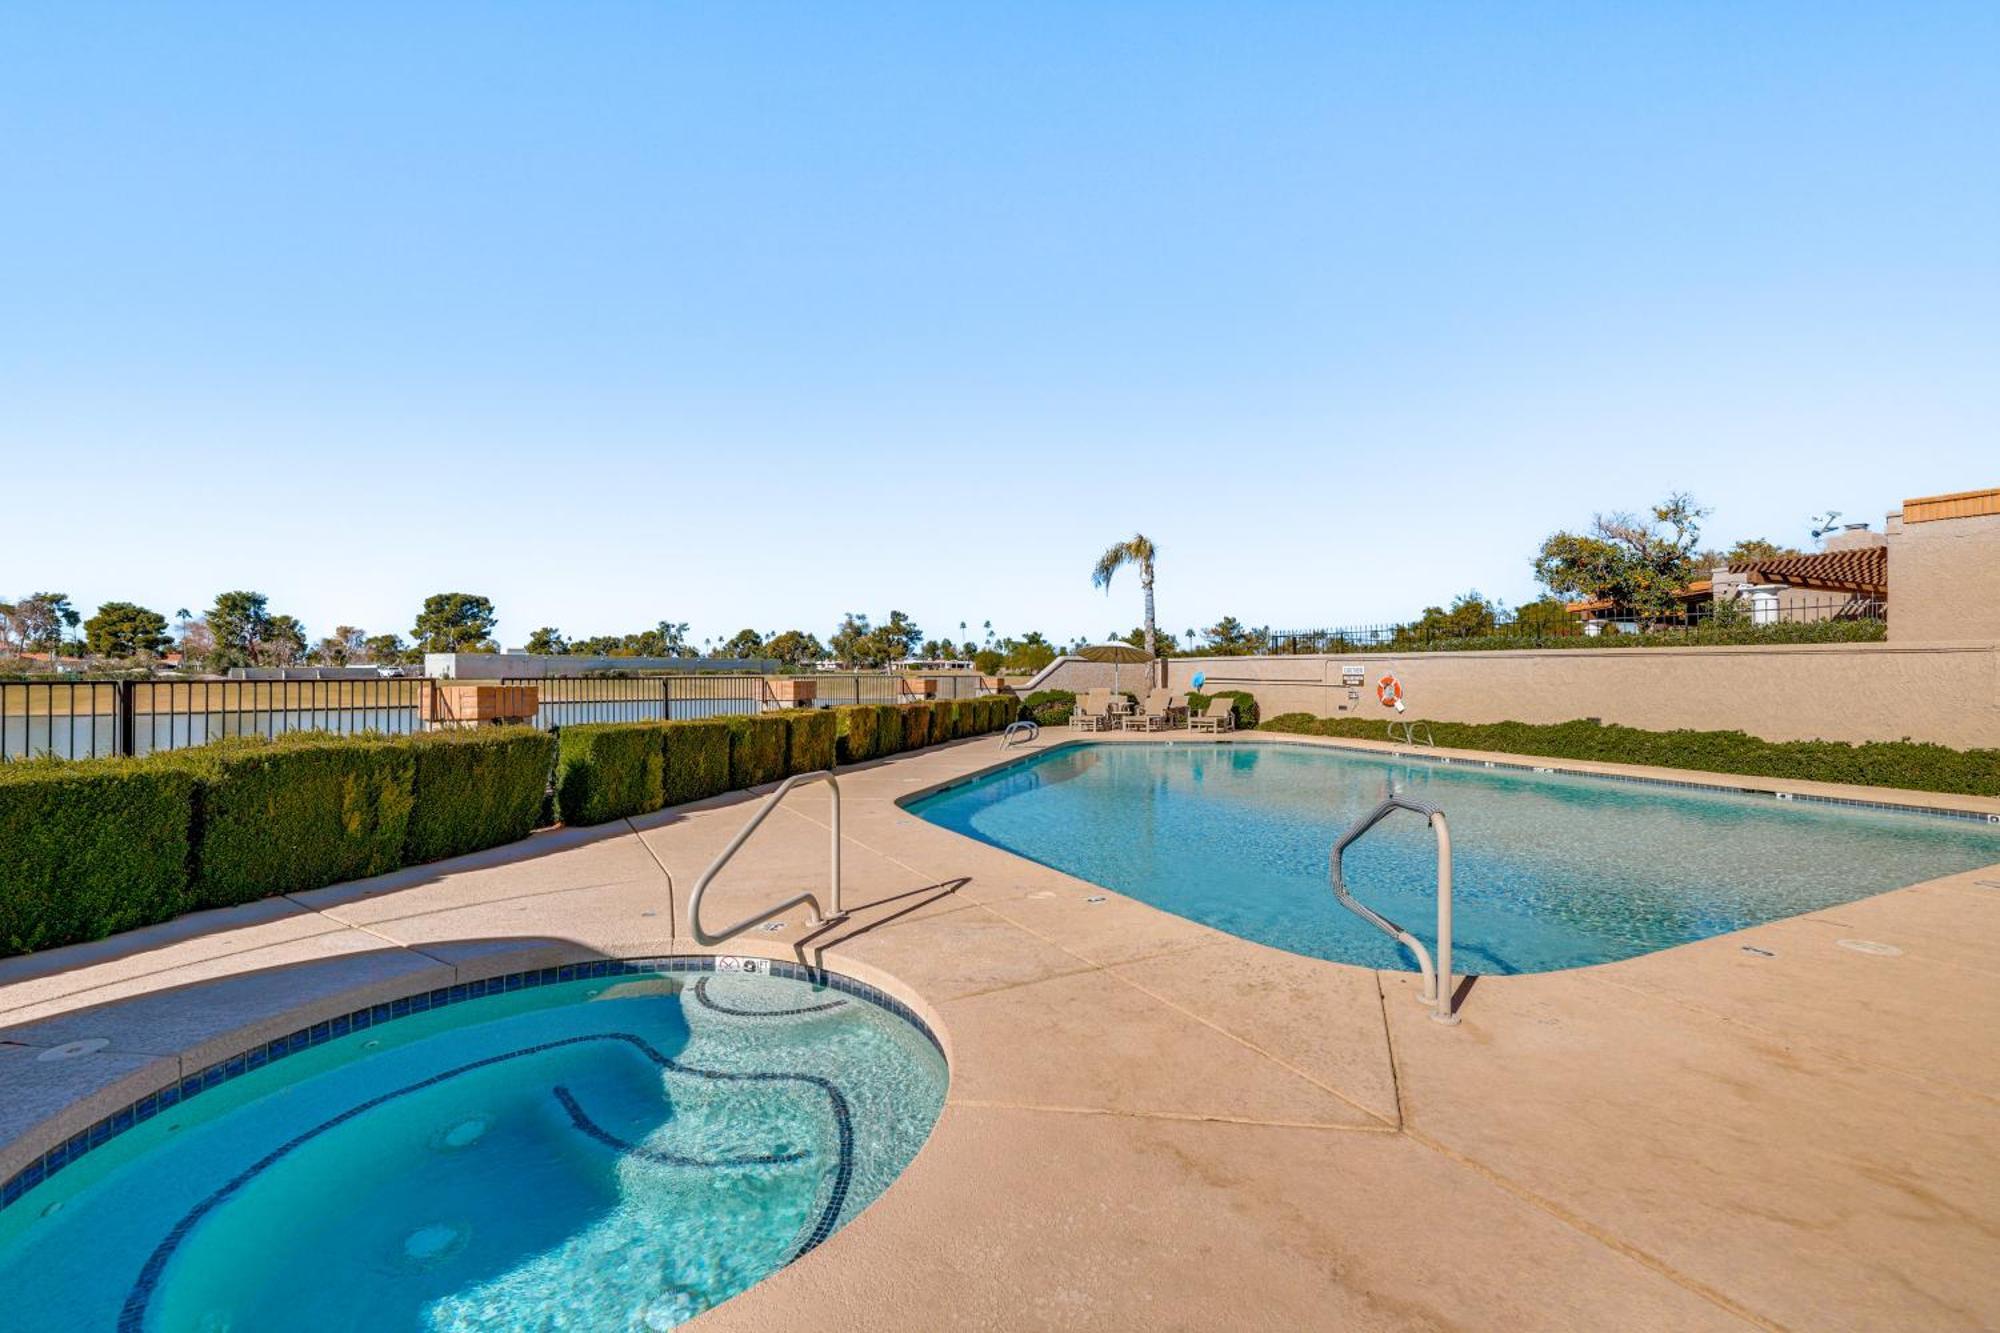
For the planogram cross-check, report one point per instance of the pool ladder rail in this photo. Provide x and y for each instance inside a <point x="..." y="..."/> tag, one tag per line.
<point x="1027" y="730"/>
<point x="820" y="917"/>
<point x="1437" y="991"/>
<point x="1409" y="733"/>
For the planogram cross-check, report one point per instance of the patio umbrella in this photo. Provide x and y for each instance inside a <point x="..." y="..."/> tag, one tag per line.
<point x="1114" y="653"/>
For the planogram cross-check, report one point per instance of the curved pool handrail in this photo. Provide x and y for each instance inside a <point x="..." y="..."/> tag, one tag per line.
<point x="810" y="899"/>
<point x="1437" y="977"/>
<point x="1027" y="727"/>
<point x="1410" y="732"/>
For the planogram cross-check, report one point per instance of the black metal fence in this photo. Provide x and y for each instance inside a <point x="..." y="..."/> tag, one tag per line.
<point x="80" y="719"/>
<point x="1777" y="619"/>
<point x="566" y="700"/>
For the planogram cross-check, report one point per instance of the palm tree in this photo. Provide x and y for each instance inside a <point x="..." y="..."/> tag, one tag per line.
<point x="1139" y="550"/>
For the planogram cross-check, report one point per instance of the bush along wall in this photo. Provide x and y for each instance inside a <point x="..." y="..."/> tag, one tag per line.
<point x="296" y="813"/>
<point x="1051" y="708"/>
<point x="609" y="770"/>
<point x="916" y="725"/>
<point x="857" y="733"/>
<point x="1241" y="703"/>
<point x="695" y="760"/>
<point x="475" y="789"/>
<point x="1913" y="765"/>
<point x="91" y="848"/>
<point x="757" y="748"/>
<point x="810" y="743"/>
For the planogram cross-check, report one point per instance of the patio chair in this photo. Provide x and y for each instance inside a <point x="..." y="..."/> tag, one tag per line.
<point x="1158" y="713"/>
<point x="1220" y="715"/>
<point x="1092" y="711"/>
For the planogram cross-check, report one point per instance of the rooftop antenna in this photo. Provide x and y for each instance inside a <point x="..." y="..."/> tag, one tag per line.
<point x="1825" y="523"/>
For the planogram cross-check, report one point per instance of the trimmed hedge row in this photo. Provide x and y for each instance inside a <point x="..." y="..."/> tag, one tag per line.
<point x="1912" y="765"/>
<point x="96" y="846"/>
<point x="617" y="769"/>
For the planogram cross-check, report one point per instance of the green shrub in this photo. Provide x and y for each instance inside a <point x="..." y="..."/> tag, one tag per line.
<point x="916" y="725"/>
<point x="857" y="733"/>
<point x="1005" y="708"/>
<point x="695" y="758"/>
<point x="1051" y="708"/>
<point x="93" y="847"/>
<point x="943" y="721"/>
<point x="1241" y="703"/>
<point x="757" y="747"/>
<point x="964" y="715"/>
<point x="888" y="728"/>
<point x="475" y="789"/>
<point x="1914" y="765"/>
<point x="609" y="770"/>
<point x="810" y="746"/>
<point x="295" y="813"/>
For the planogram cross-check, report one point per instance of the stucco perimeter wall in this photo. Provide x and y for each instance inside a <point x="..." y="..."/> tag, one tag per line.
<point x="1944" y="580"/>
<point x="1943" y="692"/>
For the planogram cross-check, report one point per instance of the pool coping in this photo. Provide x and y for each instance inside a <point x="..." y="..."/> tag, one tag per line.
<point x="19" y="1185"/>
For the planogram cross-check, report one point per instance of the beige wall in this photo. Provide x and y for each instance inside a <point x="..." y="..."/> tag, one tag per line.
<point x="1944" y="692"/>
<point x="1944" y="580"/>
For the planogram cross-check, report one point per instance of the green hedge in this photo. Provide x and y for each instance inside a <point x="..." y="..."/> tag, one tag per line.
<point x="695" y="760"/>
<point x="296" y="813"/>
<point x="91" y="848"/>
<point x="916" y="725"/>
<point x="609" y="770"/>
<point x="1051" y="708"/>
<point x="757" y="749"/>
<point x="811" y="742"/>
<point x="858" y="734"/>
<point x="888" y="728"/>
<point x="965" y="718"/>
<point x="1914" y="765"/>
<point x="475" y="789"/>
<point x="1241" y="703"/>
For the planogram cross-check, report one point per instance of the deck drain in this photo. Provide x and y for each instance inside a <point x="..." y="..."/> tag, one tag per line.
<point x="1095" y="898"/>
<point x="1870" y="947"/>
<point x="69" y="1050"/>
<point x="1761" y="953"/>
<point x="770" y="926"/>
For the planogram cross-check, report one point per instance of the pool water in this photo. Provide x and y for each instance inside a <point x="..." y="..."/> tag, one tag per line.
<point x="1549" y="870"/>
<point x="620" y="1153"/>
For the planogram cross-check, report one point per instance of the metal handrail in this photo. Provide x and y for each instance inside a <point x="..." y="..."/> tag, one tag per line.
<point x="1410" y="732"/>
<point x="1027" y="727"/>
<point x="736" y="845"/>
<point x="1437" y="979"/>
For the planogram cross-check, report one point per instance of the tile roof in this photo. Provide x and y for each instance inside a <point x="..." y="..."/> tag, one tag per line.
<point x="1864" y="569"/>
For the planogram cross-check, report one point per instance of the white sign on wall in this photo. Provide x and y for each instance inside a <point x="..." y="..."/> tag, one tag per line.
<point x="1353" y="674"/>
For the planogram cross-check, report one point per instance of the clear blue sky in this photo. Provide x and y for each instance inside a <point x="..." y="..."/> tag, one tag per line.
<point x="749" y="314"/>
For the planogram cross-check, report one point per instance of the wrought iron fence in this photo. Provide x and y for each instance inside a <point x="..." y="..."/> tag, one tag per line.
<point x="1778" y="618"/>
<point x="80" y="719"/>
<point x="566" y="700"/>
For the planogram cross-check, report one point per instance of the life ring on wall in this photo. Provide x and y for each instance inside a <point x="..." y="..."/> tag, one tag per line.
<point x="1390" y="691"/>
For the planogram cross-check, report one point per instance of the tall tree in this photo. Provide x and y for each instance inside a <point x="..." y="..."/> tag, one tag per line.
<point x="1638" y="564"/>
<point x="237" y="625"/>
<point x="41" y="619"/>
<point x="743" y="643"/>
<point x="454" y="622"/>
<point x="384" y="649"/>
<point x="1139" y="551"/>
<point x="547" y="641"/>
<point x="284" y="642"/>
<point x="121" y="629"/>
<point x="795" y="648"/>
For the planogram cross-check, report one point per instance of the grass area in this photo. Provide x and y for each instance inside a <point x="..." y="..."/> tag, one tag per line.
<point x="1911" y="765"/>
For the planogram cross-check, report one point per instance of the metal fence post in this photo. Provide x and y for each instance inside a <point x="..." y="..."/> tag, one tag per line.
<point x="124" y="740"/>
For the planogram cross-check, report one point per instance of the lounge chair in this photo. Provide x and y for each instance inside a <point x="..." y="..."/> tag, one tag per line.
<point x="1092" y="711"/>
<point x="1158" y="713"/>
<point x="1220" y="715"/>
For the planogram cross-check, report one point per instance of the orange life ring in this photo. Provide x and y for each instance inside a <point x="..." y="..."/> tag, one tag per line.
<point x="1389" y="691"/>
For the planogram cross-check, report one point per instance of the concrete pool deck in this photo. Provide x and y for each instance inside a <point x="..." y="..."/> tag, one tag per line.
<point x="1154" y="1124"/>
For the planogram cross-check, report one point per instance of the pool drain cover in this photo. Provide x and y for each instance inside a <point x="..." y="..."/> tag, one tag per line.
<point x="69" y="1050"/>
<point x="1870" y="947"/>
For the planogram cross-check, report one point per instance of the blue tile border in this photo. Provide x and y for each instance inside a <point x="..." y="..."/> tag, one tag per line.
<point x="257" y="1057"/>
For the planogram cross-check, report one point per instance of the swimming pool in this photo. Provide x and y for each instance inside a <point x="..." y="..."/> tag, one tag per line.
<point x="619" y="1152"/>
<point x="1550" y="870"/>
